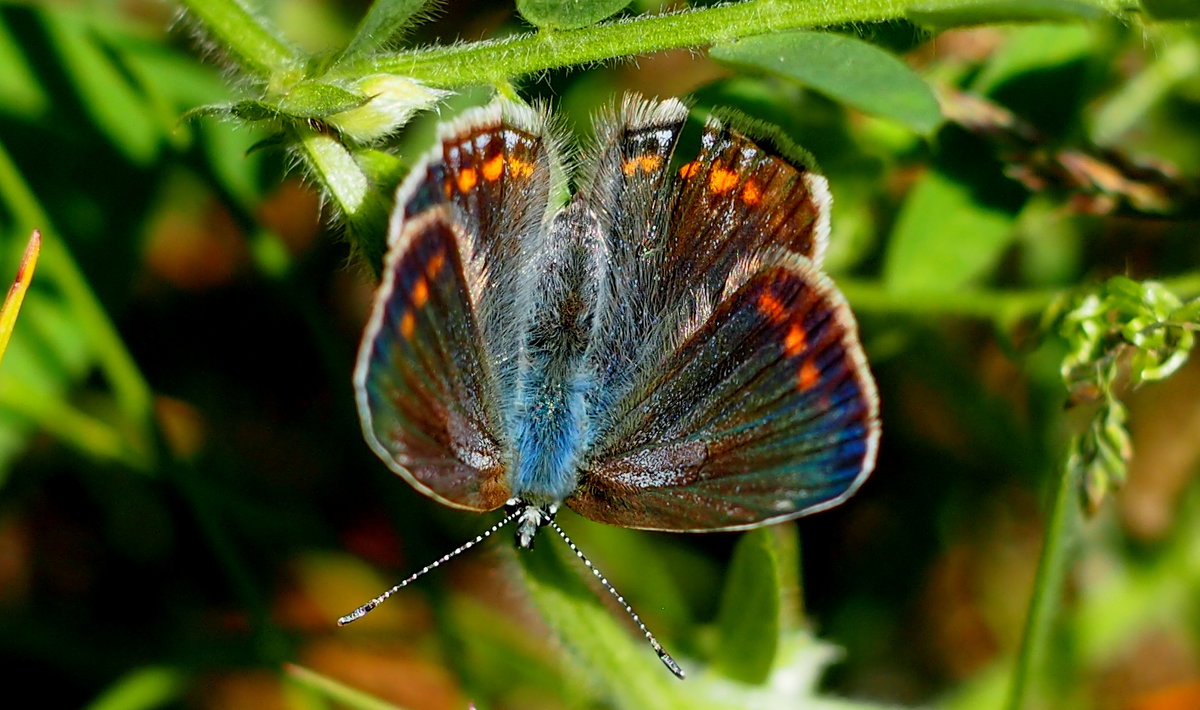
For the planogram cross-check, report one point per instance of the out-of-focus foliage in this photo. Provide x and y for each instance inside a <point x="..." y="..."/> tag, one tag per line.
<point x="186" y="503"/>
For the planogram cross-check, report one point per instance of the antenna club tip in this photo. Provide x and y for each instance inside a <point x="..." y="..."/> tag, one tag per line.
<point x="672" y="665"/>
<point x="357" y="613"/>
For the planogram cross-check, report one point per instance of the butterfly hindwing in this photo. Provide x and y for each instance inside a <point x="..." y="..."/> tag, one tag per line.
<point x="766" y="411"/>
<point x="423" y="378"/>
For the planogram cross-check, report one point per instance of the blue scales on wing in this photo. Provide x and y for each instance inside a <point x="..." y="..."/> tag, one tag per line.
<point x="436" y="377"/>
<point x="742" y="395"/>
<point x="764" y="412"/>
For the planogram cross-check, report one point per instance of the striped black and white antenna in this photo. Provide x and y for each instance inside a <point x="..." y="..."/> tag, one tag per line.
<point x="366" y="608"/>
<point x="663" y="656"/>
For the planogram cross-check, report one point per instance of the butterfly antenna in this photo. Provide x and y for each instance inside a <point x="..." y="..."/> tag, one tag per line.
<point x="662" y="652"/>
<point x="365" y="608"/>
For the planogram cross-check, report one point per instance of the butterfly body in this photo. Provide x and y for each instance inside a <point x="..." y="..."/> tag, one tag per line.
<point x="552" y="414"/>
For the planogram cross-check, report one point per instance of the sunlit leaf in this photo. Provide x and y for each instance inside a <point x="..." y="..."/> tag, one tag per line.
<point x="844" y="68"/>
<point x="944" y="239"/>
<point x="1034" y="48"/>
<point x="993" y="11"/>
<point x="568" y="14"/>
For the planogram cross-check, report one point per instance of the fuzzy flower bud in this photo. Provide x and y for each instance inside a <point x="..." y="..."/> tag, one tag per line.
<point x="393" y="101"/>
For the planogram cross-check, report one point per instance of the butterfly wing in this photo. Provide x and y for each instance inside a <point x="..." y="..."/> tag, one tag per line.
<point x="435" y="371"/>
<point x="748" y="399"/>
<point x="764" y="412"/>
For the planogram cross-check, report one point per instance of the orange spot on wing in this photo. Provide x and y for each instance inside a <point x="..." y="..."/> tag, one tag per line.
<point x="434" y="267"/>
<point x="770" y="307"/>
<point x="448" y="188"/>
<point x="467" y="179"/>
<point x="493" y="168"/>
<point x="796" y="340"/>
<point x="807" y="375"/>
<point x="751" y="194"/>
<point x="408" y="324"/>
<point x="647" y="163"/>
<point x="722" y="180"/>
<point x="420" y="293"/>
<point x="650" y="162"/>
<point x="689" y="169"/>
<point x="519" y="168"/>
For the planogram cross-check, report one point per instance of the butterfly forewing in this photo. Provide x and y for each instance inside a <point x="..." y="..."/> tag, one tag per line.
<point x="494" y="168"/>
<point x="628" y="184"/>
<point x="765" y="412"/>
<point x="737" y="198"/>
<point x="439" y="360"/>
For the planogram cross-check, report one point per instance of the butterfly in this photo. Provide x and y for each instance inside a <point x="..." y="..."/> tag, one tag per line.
<point x="656" y="348"/>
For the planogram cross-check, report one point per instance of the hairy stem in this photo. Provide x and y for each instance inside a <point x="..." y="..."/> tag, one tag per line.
<point x="495" y="61"/>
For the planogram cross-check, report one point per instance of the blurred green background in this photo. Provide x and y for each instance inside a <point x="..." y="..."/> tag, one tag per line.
<point x="187" y="505"/>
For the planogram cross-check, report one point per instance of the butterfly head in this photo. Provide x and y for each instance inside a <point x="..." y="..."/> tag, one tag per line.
<point x="529" y="519"/>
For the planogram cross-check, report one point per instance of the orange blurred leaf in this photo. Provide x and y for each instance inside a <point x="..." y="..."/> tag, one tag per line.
<point x="16" y="294"/>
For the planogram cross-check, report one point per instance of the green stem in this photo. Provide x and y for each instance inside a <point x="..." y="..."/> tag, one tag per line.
<point x="1001" y="306"/>
<point x="494" y="61"/>
<point x="131" y="390"/>
<point x="250" y="41"/>
<point x="1047" y="589"/>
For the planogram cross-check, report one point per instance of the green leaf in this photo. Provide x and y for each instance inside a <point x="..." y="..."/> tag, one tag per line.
<point x="117" y="108"/>
<point x="309" y="99"/>
<point x="939" y="17"/>
<point x="568" y="14"/>
<point x="49" y="355"/>
<point x="1172" y="9"/>
<point x="141" y="689"/>
<point x="1032" y="49"/>
<point x="622" y="664"/>
<point x="944" y="239"/>
<point x="383" y="21"/>
<point x="20" y="92"/>
<point x="843" y="68"/>
<point x="314" y="99"/>
<point x="245" y="110"/>
<point x="339" y="692"/>
<point x="749" y="623"/>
